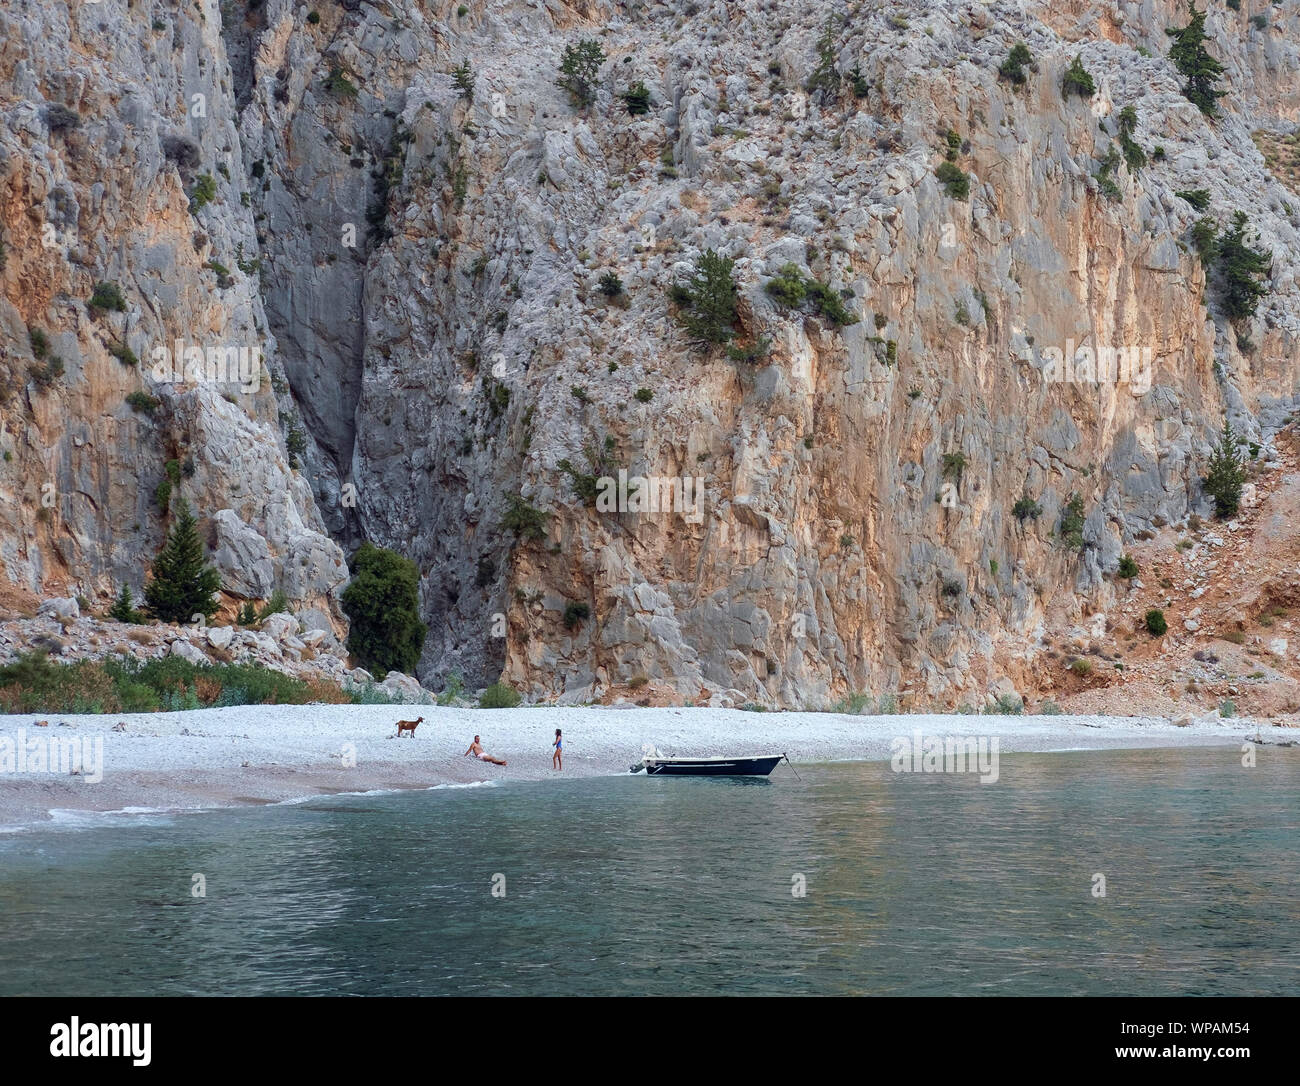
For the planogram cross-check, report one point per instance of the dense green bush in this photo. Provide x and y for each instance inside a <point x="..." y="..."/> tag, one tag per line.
<point x="383" y="603"/>
<point x="955" y="180"/>
<point x="1198" y="198"/>
<point x="1013" y="68"/>
<point x="108" y="296"/>
<point x="522" y="519"/>
<point x="1077" y="80"/>
<point x="499" y="696"/>
<point x="575" y="614"/>
<point x="637" y="99"/>
<point x="1128" y="568"/>
<point x="1026" y="509"/>
<point x="1155" y="622"/>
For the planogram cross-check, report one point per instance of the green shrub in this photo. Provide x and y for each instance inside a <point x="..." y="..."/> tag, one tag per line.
<point x="1128" y="568"/>
<point x="40" y="343"/>
<point x="247" y="614"/>
<point x="637" y="99"/>
<point x="276" y="605"/>
<point x="1077" y="80"/>
<point x="499" y="695"/>
<point x="1071" y="526"/>
<point x="49" y="374"/>
<point x="123" y="354"/>
<point x="575" y="614"/>
<point x="1013" y="68"/>
<point x="644" y="395"/>
<point x="313" y="17"/>
<point x="108" y="296"/>
<point x="611" y="285"/>
<point x="1081" y="667"/>
<point x="788" y="286"/>
<point x="205" y="191"/>
<point x="142" y="401"/>
<point x="1198" y="198"/>
<point x="955" y="180"/>
<point x="1009" y="705"/>
<point x="383" y="603"/>
<point x="522" y="519"/>
<point x="339" y="85"/>
<point x="1155" y="622"/>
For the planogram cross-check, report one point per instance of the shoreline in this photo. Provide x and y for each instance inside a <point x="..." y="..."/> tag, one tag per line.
<point x="257" y="755"/>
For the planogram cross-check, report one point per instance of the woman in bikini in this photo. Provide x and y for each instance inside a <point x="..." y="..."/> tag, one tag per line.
<point x="557" y="760"/>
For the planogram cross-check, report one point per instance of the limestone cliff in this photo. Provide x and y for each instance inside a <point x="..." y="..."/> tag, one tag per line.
<point x="424" y="269"/>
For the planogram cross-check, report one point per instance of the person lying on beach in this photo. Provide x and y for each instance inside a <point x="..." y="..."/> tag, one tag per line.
<point x="476" y="749"/>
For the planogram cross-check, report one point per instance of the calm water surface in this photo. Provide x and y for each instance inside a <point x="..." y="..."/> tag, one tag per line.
<point x="915" y="885"/>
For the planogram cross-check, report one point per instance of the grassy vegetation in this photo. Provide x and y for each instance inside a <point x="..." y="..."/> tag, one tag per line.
<point x="33" y="684"/>
<point x="499" y="696"/>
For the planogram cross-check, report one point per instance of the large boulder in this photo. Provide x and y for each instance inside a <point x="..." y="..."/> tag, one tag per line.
<point x="242" y="557"/>
<point x="280" y="626"/>
<point x="64" y="608"/>
<point x="186" y="651"/>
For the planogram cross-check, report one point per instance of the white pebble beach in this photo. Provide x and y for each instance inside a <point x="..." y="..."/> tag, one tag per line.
<point x="266" y="754"/>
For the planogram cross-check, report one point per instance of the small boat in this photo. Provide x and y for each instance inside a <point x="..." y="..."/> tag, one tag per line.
<point x="759" y="766"/>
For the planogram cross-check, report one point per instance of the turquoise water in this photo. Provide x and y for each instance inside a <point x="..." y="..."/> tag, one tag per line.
<point x="916" y="884"/>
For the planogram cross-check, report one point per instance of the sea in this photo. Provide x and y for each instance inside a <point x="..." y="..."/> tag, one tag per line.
<point x="1150" y="873"/>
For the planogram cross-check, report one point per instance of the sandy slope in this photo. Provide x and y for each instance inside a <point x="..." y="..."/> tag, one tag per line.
<point x="258" y="754"/>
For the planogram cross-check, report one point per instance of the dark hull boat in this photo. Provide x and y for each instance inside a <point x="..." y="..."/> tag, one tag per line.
<point x="760" y="766"/>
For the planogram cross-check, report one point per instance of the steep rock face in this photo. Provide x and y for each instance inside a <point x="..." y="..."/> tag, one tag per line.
<point x="431" y="273"/>
<point x="120" y="164"/>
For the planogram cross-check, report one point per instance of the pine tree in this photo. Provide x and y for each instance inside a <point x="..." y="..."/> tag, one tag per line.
<point x="825" y="80"/>
<point x="1226" y="474"/>
<point x="1241" y="268"/>
<point x="183" y="583"/>
<point x="123" y="609"/>
<point x="708" y="299"/>
<point x="578" y="69"/>
<point x="1196" y="65"/>
<point x="463" y="77"/>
